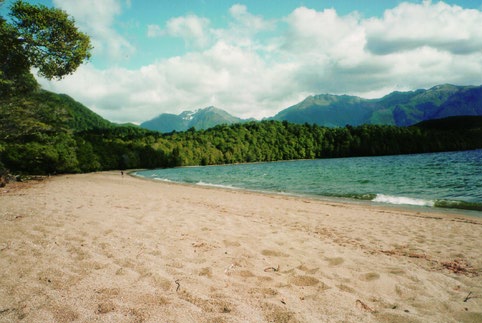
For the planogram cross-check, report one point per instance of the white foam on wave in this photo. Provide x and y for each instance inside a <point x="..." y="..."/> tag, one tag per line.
<point x="162" y="179"/>
<point x="382" y="198"/>
<point x="215" y="185"/>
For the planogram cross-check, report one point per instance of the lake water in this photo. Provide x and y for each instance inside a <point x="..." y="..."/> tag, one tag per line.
<point x="443" y="180"/>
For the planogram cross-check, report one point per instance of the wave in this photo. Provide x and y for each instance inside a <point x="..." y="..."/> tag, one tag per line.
<point x="439" y="203"/>
<point x="462" y="205"/>
<point x="161" y="179"/>
<point x="201" y="183"/>
<point x="402" y="200"/>
<point x="364" y="197"/>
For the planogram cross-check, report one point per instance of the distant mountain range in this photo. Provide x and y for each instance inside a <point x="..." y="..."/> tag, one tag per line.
<point x="396" y="108"/>
<point x="199" y="119"/>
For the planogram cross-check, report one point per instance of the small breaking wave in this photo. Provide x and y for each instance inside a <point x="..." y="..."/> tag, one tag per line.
<point x="161" y="179"/>
<point x="402" y="200"/>
<point x="446" y="204"/>
<point x="462" y="205"/>
<point x="364" y="197"/>
<point x="201" y="183"/>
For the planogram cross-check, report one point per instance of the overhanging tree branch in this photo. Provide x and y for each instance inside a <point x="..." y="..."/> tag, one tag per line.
<point x="41" y="37"/>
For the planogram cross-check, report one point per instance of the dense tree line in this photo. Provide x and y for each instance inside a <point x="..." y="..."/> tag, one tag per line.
<point x="273" y="140"/>
<point x="44" y="149"/>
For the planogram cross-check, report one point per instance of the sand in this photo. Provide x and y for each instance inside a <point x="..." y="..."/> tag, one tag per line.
<point x="106" y="248"/>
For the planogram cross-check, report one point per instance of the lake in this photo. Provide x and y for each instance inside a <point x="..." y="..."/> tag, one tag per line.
<point x="441" y="180"/>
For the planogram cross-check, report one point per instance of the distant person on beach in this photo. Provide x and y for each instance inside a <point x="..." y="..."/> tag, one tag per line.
<point x="122" y="173"/>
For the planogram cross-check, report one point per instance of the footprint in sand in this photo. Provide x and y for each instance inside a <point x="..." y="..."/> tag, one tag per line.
<point x="106" y="293"/>
<point x="273" y="253"/>
<point x="307" y="269"/>
<point x="228" y="243"/>
<point x="264" y="291"/>
<point x="276" y="313"/>
<point x="64" y="313"/>
<point x="213" y="304"/>
<point x="303" y="280"/>
<point x="206" y="271"/>
<point x="396" y="271"/>
<point x="346" y="288"/>
<point x="370" y="277"/>
<point x="246" y="274"/>
<point x="105" y="307"/>
<point x="335" y="261"/>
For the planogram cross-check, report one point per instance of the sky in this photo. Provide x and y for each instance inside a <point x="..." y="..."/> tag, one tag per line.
<point x="255" y="58"/>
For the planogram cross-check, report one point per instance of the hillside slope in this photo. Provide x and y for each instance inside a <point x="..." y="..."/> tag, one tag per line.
<point x="396" y="108"/>
<point x="46" y="111"/>
<point x="37" y="132"/>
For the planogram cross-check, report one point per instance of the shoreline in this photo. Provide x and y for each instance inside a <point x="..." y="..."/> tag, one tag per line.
<point x="102" y="247"/>
<point x="447" y="211"/>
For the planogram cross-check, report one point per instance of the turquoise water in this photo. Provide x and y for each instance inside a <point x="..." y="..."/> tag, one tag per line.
<point x="446" y="180"/>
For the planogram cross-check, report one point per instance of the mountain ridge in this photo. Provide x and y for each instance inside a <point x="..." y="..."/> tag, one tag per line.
<point x="396" y="108"/>
<point x="199" y="119"/>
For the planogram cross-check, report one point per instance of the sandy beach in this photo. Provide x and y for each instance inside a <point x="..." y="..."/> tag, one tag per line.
<point x="109" y="248"/>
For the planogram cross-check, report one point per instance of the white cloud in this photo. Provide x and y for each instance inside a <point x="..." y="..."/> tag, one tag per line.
<point x="411" y="26"/>
<point x="324" y="37"/>
<point x="244" y="18"/>
<point x="192" y="29"/>
<point x="154" y="31"/>
<point x="197" y="31"/>
<point x="225" y="76"/>
<point x="413" y="45"/>
<point x="244" y="28"/>
<point x="96" y="18"/>
<point x="308" y="52"/>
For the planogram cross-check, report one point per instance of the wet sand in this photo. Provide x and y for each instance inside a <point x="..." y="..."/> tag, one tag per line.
<point x="106" y="248"/>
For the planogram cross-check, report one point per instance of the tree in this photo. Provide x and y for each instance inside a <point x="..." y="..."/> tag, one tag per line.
<point x="15" y="74"/>
<point x="40" y="37"/>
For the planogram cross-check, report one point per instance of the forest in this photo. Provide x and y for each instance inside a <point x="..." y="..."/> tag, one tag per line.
<point x="263" y="141"/>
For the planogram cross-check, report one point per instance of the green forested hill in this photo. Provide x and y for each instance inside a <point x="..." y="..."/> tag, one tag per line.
<point x="43" y="110"/>
<point x="37" y="131"/>
<point x="396" y="108"/>
<point x="46" y="133"/>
